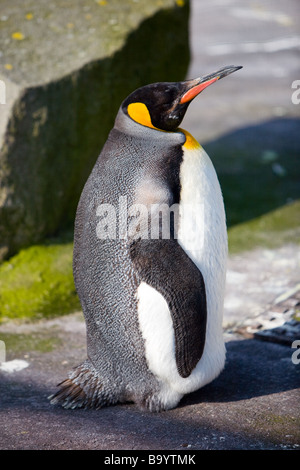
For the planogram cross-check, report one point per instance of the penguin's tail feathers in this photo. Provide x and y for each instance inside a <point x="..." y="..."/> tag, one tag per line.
<point x="82" y="389"/>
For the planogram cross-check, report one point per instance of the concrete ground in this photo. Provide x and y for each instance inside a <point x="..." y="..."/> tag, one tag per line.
<point x="254" y="403"/>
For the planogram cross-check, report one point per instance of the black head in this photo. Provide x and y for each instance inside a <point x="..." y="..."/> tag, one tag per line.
<point x="163" y="105"/>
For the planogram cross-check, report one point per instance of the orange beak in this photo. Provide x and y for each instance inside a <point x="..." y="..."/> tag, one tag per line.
<point x="194" y="87"/>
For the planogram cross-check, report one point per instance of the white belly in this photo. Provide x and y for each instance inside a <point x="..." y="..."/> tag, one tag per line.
<point x="205" y="241"/>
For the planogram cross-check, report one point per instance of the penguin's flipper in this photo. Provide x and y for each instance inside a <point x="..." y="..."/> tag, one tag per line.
<point x="165" y="266"/>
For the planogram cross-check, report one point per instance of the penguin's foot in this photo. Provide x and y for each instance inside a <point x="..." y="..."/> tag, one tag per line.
<point x="83" y="389"/>
<point x="165" y="399"/>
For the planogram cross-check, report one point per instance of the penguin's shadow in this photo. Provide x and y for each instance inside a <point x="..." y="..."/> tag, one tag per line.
<point x="248" y="161"/>
<point x="253" y="368"/>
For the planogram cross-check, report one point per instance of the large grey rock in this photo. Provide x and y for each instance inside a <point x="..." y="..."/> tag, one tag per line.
<point x="66" y="67"/>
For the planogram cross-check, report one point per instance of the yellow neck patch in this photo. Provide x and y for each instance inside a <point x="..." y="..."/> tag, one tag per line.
<point x="190" y="143"/>
<point x="139" y="113"/>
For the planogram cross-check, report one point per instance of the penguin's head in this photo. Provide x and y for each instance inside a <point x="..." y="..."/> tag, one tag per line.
<point x="163" y="105"/>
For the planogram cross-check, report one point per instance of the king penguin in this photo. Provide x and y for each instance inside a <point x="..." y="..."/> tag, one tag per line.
<point x="152" y="298"/>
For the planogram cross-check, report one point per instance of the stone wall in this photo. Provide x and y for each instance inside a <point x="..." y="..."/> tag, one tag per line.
<point x="67" y="67"/>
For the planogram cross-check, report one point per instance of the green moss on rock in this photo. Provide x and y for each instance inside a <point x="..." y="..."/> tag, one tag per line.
<point x="18" y="344"/>
<point x="38" y="282"/>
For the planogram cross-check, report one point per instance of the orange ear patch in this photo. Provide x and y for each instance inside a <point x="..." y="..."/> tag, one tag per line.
<point x="140" y="113"/>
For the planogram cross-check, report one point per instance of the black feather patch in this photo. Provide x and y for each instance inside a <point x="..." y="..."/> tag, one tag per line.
<point x="165" y="266"/>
